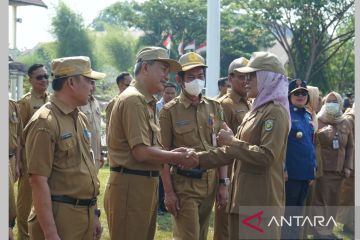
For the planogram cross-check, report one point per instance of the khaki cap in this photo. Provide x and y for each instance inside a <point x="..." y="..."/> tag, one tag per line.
<point x="237" y="63"/>
<point x="263" y="61"/>
<point x="72" y="66"/>
<point x="191" y="60"/>
<point x="157" y="54"/>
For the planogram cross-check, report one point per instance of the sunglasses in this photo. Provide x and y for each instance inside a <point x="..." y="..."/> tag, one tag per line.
<point x="41" y="77"/>
<point x="300" y="93"/>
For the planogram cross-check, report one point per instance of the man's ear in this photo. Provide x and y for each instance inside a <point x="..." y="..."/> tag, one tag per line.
<point x="178" y="79"/>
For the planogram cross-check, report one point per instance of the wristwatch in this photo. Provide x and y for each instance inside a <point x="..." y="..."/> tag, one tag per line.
<point x="225" y="181"/>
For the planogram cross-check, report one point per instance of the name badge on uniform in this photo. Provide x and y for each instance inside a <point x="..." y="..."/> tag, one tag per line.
<point x="182" y="122"/>
<point x="335" y="142"/>
<point x="66" y="135"/>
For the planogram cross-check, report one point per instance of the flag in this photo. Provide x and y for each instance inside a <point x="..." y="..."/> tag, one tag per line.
<point x="167" y="42"/>
<point x="190" y="46"/>
<point x="181" y="47"/>
<point x="201" y="48"/>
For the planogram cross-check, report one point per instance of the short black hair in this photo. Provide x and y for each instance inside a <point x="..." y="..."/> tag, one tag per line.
<point x="181" y="74"/>
<point x="33" y="68"/>
<point x="222" y="81"/>
<point x="58" y="83"/>
<point x="170" y="85"/>
<point x="121" y="77"/>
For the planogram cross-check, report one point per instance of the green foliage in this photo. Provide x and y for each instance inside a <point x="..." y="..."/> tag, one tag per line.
<point x="71" y="35"/>
<point x="307" y="31"/>
<point x="186" y="20"/>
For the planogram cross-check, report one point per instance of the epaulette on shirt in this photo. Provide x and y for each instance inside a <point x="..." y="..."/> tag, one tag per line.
<point x="44" y="111"/>
<point x="208" y="99"/>
<point x="25" y="97"/>
<point x="220" y="100"/>
<point x="172" y="103"/>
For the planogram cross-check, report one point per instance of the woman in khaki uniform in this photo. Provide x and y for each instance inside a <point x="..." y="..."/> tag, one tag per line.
<point x="260" y="145"/>
<point x="336" y="142"/>
<point x="347" y="194"/>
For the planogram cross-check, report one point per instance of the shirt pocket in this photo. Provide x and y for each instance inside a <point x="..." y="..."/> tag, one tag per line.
<point x="67" y="153"/>
<point x="185" y="135"/>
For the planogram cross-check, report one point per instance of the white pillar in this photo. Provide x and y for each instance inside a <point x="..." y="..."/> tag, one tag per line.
<point x="213" y="47"/>
<point x="14" y="26"/>
<point x="20" y="83"/>
<point x="13" y="82"/>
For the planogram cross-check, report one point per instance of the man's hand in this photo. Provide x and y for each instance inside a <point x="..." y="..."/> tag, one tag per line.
<point x="11" y="236"/>
<point x="172" y="203"/>
<point x="189" y="159"/>
<point x="222" y="196"/>
<point x="18" y="169"/>
<point x="97" y="228"/>
<point x="225" y="136"/>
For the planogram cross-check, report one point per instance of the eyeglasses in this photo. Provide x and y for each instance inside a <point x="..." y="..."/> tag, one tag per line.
<point x="41" y="77"/>
<point x="300" y="93"/>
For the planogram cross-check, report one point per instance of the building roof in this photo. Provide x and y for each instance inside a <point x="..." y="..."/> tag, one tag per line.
<point x="27" y="3"/>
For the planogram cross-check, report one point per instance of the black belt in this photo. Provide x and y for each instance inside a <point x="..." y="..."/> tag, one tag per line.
<point x="74" y="201"/>
<point x="191" y="173"/>
<point x="11" y="154"/>
<point x="135" y="172"/>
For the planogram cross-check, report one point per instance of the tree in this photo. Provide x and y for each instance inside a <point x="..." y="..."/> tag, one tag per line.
<point x="306" y="30"/>
<point x="185" y="20"/>
<point x="72" y="38"/>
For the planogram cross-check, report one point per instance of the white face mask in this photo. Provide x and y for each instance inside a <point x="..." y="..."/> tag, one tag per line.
<point x="332" y="108"/>
<point x="194" y="87"/>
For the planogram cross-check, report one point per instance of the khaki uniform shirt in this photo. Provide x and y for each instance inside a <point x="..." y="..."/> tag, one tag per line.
<point x="15" y="126"/>
<point x="133" y="121"/>
<point x="58" y="147"/>
<point x="235" y="107"/>
<point x="335" y="159"/>
<point x="30" y="103"/>
<point x="259" y="179"/>
<point x="108" y="110"/>
<point x="93" y="114"/>
<point x="185" y="125"/>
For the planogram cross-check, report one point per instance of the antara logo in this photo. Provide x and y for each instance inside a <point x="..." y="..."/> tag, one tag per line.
<point x="300" y="221"/>
<point x="256" y="227"/>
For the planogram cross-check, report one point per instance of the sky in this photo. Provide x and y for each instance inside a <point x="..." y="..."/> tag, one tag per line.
<point x="35" y="25"/>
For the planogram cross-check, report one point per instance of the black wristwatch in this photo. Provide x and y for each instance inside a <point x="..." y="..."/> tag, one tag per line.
<point x="97" y="212"/>
<point x="225" y="181"/>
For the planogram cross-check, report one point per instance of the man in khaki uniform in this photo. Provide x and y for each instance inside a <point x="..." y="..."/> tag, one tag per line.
<point x="223" y="86"/>
<point x="191" y="120"/>
<point x="15" y="134"/>
<point x="28" y="105"/>
<point x="123" y="81"/>
<point x="260" y="146"/>
<point x="235" y="105"/>
<point x="62" y="170"/>
<point x="135" y="157"/>
<point x="93" y="114"/>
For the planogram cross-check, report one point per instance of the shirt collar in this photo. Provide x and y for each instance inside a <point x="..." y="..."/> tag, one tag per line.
<point x="141" y="88"/>
<point x="61" y="105"/>
<point x="187" y="102"/>
<point x="33" y="93"/>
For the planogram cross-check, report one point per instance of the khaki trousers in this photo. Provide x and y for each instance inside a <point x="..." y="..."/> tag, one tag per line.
<point x="221" y="230"/>
<point x="72" y="222"/>
<point x="130" y="203"/>
<point x="12" y="176"/>
<point x="346" y="215"/>
<point x="326" y="193"/>
<point x="196" y="197"/>
<point x="24" y="202"/>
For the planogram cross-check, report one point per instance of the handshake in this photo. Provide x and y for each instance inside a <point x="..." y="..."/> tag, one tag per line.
<point x="186" y="158"/>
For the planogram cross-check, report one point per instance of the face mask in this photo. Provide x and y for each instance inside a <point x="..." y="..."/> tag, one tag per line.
<point x="194" y="87"/>
<point x="332" y="108"/>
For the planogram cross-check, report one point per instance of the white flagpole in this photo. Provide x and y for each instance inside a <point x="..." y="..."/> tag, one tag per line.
<point x="213" y="47"/>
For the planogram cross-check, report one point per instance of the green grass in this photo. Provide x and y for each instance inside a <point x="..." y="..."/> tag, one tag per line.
<point x="164" y="227"/>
